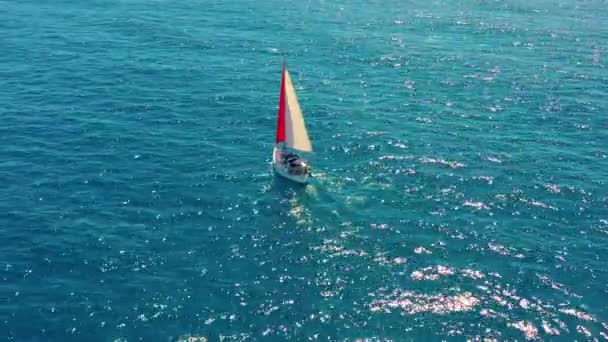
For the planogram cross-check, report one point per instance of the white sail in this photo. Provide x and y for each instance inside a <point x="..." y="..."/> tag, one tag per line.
<point x="296" y="135"/>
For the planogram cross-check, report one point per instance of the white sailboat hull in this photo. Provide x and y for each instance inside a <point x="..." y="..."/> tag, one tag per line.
<point x="283" y="172"/>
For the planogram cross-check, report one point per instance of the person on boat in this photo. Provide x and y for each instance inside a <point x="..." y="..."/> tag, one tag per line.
<point x="294" y="164"/>
<point x="287" y="157"/>
<point x="298" y="166"/>
<point x="291" y="158"/>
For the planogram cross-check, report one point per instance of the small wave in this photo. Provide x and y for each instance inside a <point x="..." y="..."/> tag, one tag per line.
<point x="414" y="303"/>
<point x="476" y="205"/>
<point x="530" y="331"/>
<point x="451" y="164"/>
<point x="422" y="250"/>
<point x="494" y="160"/>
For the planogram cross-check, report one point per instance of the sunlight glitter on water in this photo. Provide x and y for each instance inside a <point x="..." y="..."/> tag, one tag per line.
<point x="457" y="193"/>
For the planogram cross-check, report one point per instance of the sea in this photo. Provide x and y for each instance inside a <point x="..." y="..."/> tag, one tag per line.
<point x="459" y="188"/>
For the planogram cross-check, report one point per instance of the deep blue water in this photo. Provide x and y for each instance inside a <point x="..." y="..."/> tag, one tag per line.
<point x="460" y="172"/>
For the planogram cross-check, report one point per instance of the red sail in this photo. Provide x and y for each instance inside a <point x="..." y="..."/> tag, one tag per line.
<point x="281" y="116"/>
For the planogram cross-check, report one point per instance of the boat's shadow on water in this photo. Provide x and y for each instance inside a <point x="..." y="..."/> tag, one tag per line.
<point x="313" y="191"/>
<point x="286" y="186"/>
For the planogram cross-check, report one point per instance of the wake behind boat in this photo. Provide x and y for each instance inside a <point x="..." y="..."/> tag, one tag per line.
<point x="291" y="135"/>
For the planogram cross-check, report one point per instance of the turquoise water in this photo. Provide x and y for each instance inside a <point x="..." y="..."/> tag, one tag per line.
<point x="459" y="184"/>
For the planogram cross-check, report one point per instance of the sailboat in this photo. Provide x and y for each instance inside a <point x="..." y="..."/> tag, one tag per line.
<point x="291" y="135"/>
